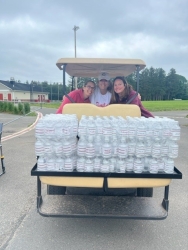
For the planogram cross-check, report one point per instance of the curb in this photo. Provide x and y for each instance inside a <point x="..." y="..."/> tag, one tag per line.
<point x="8" y="137"/>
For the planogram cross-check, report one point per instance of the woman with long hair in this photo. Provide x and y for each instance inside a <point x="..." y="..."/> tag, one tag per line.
<point x="123" y="93"/>
<point x="78" y="96"/>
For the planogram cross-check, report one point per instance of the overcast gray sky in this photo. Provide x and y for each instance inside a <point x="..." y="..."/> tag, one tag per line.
<point x="35" y="34"/>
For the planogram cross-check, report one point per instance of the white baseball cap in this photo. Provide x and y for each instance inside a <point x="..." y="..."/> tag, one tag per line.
<point x="104" y="75"/>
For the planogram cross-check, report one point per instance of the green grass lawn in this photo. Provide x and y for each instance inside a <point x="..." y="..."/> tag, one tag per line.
<point x="150" y="105"/>
<point x="166" y="105"/>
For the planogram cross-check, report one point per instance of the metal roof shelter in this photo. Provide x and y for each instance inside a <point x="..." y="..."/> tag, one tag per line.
<point x="92" y="67"/>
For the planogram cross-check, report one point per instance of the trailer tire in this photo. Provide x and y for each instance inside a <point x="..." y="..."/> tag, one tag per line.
<point x="56" y="190"/>
<point x="145" y="192"/>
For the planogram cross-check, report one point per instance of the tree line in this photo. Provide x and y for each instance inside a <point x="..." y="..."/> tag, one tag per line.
<point x="154" y="84"/>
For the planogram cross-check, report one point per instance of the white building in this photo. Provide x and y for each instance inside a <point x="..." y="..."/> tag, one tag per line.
<point x="16" y="91"/>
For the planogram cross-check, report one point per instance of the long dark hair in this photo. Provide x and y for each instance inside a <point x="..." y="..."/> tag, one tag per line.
<point x="86" y="82"/>
<point x="115" y="96"/>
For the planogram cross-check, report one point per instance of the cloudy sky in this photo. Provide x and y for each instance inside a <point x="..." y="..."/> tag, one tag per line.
<point x="35" y="34"/>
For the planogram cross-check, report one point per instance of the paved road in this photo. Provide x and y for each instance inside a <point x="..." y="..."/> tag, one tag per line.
<point x="22" y="228"/>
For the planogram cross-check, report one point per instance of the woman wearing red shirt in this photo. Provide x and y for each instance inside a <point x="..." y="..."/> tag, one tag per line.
<point x="79" y="95"/>
<point x="123" y="93"/>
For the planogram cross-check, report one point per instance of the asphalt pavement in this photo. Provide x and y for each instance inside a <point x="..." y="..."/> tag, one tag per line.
<point x="21" y="227"/>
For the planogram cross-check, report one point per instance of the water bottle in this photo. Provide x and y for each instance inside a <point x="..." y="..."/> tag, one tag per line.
<point x="164" y="148"/>
<point x="123" y="128"/>
<point x="112" y="167"/>
<point x="98" y="145"/>
<point x="114" y="146"/>
<point x="173" y="149"/>
<point x="107" y="128"/>
<point x="166" y="131"/>
<point x="48" y="149"/>
<point x="129" y="164"/>
<point x="74" y="161"/>
<point x="146" y="161"/>
<point x="148" y="147"/>
<point x="132" y="129"/>
<point x="114" y="125"/>
<point x="50" y="164"/>
<point x="157" y="131"/>
<point x="74" y="126"/>
<point x="156" y="149"/>
<point x="68" y="164"/>
<point x="73" y="142"/>
<point x="89" y="165"/>
<point x="140" y="149"/>
<point x="81" y="146"/>
<point x="67" y="149"/>
<point x="105" y="166"/>
<point x="121" y="165"/>
<point x="59" y="164"/>
<point x="138" y="165"/>
<point x="131" y="147"/>
<point x="169" y="166"/>
<point x="99" y="125"/>
<point x="58" y="130"/>
<point x="91" y="127"/>
<point x="141" y="129"/>
<point x="39" y="130"/>
<point x="123" y="148"/>
<point x="80" y="167"/>
<point x="106" y="148"/>
<point x="41" y="164"/>
<point x="49" y="129"/>
<point x="161" y="164"/>
<point x="39" y="148"/>
<point x="175" y="130"/>
<point x="97" y="164"/>
<point x="58" y="148"/>
<point x="90" y="147"/>
<point x="66" y="129"/>
<point x="149" y="128"/>
<point x="153" y="166"/>
<point x="82" y="128"/>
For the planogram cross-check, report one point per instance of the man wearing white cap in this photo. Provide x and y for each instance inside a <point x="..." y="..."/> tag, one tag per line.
<point x="101" y="96"/>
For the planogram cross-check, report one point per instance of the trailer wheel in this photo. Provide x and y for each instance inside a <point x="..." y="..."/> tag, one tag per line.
<point x="145" y="192"/>
<point x="55" y="190"/>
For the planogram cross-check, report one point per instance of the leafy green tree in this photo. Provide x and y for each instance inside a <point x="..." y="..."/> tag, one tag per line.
<point x="171" y="84"/>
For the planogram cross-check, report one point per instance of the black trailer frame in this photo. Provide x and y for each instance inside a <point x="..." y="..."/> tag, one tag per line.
<point x="89" y="206"/>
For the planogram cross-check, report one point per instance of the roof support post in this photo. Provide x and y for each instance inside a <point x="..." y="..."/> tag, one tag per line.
<point x="137" y="77"/>
<point x="64" y="87"/>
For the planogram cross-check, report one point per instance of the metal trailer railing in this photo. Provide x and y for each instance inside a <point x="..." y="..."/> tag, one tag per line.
<point x="2" y="168"/>
<point x="1" y="152"/>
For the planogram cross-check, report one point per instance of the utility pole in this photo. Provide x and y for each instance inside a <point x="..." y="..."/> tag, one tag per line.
<point x="51" y="90"/>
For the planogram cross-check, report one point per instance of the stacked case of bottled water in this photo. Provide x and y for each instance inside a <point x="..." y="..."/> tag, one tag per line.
<point x="115" y="144"/>
<point x="56" y="142"/>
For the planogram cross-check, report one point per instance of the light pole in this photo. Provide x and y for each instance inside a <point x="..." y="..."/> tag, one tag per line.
<point x="75" y="29"/>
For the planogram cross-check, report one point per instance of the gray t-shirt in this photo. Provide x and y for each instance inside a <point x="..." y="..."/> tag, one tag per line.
<point x="100" y="100"/>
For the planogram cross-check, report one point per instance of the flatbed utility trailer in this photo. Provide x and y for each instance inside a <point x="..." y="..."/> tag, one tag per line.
<point x="104" y="195"/>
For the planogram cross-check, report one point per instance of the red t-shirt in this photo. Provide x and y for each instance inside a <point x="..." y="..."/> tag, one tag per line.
<point x="77" y="95"/>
